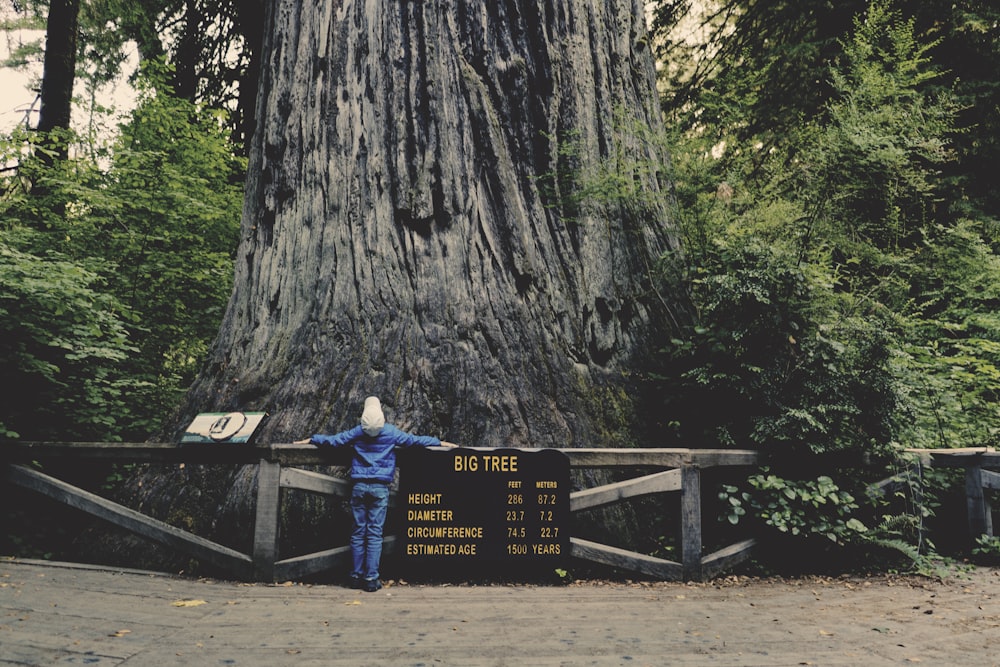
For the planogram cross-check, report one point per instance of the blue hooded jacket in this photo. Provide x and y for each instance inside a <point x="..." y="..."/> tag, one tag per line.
<point x="374" y="455"/>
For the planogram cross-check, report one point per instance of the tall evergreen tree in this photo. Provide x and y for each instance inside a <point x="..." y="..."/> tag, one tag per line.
<point x="57" y="77"/>
<point x="758" y="70"/>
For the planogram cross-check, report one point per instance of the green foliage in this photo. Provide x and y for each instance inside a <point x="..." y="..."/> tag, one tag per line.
<point x="895" y="532"/>
<point x="880" y="146"/>
<point x="987" y="549"/>
<point x="844" y="285"/>
<point x="152" y="221"/>
<point x="817" y="507"/>
<point x="776" y="360"/>
<point x="62" y="344"/>
<point x="949" y="361"/>
<point x="874" y="527"/>
<point x="169" y="218"/>
<point x="841" y="303"/>
<point x="901" y="509"/>
<point x="757" y="70"/>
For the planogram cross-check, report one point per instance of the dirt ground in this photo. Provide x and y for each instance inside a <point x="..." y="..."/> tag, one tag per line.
<point x="57" y="614"/>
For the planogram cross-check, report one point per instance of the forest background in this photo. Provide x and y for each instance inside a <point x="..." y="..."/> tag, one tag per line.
<point x="834" y="182"/>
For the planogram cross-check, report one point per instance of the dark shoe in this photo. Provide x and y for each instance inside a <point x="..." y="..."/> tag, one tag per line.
<point x="356" y="582"/>
<point x="372" y="585"/>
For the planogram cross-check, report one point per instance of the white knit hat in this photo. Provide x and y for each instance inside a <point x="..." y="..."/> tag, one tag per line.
<point x="372" y="419"/>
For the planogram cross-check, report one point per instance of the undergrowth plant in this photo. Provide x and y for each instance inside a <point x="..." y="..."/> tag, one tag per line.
<point x="813" y="507"/>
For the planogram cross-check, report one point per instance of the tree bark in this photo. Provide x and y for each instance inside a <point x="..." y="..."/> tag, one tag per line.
<point x="397" y="239"/>
<point x="58" y="74"/>
<point x="409" y="228"/>
<point x="186" y="66"/>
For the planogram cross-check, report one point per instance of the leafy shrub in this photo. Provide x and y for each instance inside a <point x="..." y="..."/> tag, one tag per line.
<point x="987" y="549"/>
<point x="62" y="345"/>
<point x="816" y="507"/>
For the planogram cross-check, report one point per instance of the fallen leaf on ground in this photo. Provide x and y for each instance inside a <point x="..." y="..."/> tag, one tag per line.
<point x="120" y="633"/>
<point x="189" y="603"/>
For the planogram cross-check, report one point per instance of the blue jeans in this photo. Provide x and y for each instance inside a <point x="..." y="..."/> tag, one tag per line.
<point x="369" y="503"/>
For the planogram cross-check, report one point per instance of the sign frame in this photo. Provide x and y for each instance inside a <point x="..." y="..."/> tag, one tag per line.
<point x="223" y="427"/>
<point x="495" y="511"/>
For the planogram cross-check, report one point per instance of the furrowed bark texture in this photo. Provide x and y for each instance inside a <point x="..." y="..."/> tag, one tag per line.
<point x="405" y="234"/>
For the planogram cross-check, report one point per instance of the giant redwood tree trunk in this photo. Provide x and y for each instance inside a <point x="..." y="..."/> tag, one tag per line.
<point x="401" y="236"/>
<point x="411" y="229"/>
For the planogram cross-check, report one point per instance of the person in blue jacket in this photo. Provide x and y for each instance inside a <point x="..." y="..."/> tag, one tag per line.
<point x="373" y="467"/>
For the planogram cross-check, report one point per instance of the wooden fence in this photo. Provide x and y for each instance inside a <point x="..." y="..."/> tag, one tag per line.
<point x="673" y="471"/>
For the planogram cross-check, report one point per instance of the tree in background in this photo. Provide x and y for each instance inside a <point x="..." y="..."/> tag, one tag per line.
<point x="57" y="78"/>
<point x="756" y="71"/>
<point x="212" y="47"/>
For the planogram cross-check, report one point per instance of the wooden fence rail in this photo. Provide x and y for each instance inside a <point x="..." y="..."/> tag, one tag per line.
<point x="980" y="464"/>
<point x="677" y="470"/>
<point x="674" y="471"/>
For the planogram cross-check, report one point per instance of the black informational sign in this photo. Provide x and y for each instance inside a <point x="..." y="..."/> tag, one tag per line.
<point x="502" y="509"/>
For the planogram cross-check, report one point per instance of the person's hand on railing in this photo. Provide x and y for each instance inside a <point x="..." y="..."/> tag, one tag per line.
<point x="301" y="442"/>
<point x="445" y="443"/>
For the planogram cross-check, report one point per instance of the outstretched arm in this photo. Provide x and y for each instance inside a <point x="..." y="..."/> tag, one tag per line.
<point x="336" y="440"/>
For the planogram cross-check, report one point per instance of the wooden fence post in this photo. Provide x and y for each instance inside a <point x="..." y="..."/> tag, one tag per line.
<point x="977" y="504"/>
<point x="265" y="534"/>
<point x="691" y="521"/>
